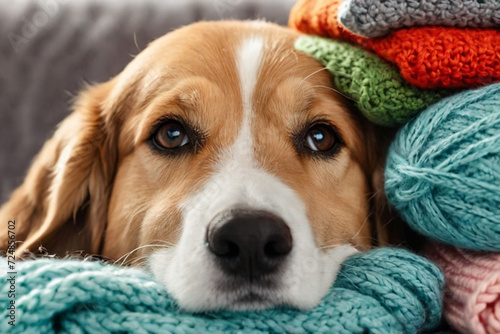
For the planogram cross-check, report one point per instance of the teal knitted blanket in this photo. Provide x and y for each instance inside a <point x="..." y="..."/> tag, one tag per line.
<point x="383" y="291"/>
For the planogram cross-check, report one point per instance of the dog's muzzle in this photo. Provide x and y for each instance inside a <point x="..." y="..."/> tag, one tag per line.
<point x="249" y="244"/>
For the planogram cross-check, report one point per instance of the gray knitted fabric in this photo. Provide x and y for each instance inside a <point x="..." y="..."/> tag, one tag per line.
<point x="373" y="18"/>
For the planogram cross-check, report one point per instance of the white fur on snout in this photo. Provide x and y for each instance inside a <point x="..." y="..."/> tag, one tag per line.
<point x="192" y="276"/>
<point x="189" y="271"/>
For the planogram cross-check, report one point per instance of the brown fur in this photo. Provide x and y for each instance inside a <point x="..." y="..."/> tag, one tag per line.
<point x="114" y="194"/>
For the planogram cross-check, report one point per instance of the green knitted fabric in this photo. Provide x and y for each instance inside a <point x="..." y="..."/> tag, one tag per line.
<point x="380" y="92"/>
<point x="383" y="291"/>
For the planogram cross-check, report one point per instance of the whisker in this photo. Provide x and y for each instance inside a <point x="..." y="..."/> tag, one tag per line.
<point x="339" y="241"/>
<point x="162" y="241"/>
<point x="336" y="91"/>
<point x="135" y="260"/>
<point x="333" y="242"/>
<point x="310" y="75"/>
<point x="135" y="42"/>
<point x="361" y="227"/>
<point x="126" y="255"/>
<point x="373" y="194"/>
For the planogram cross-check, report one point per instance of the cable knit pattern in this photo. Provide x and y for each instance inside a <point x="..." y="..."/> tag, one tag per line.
<point x="383" y="291"/>
<point x="374" y="18"/>
<point x="472" y="297"/>
<point x="427" y="57"/>
<point x="379" y="91"/>
<point x="443" y="173"/>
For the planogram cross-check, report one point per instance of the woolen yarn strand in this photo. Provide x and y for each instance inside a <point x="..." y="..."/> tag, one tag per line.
<point x="443" y="170"/>
<point x="384" y="291"/>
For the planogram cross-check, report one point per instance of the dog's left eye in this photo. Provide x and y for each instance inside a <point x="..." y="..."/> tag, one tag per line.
<point x="320" y="138"/>
<point x="171" y="135"/>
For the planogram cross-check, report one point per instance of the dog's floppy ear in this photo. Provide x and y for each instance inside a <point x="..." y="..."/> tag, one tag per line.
<point x="387" y="226"/>
<point x="62" y="203"/>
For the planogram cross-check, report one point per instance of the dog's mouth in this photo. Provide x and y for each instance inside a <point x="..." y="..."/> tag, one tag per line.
<point x="249" y="294"/>
<point x="251" y="297"/>
<point x="252" y="300"/>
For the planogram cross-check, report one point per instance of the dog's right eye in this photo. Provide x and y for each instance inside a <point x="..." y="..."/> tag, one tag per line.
<point x="171" y="135"/>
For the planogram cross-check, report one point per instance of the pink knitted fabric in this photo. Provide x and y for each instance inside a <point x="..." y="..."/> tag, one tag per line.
<point x="472" y="279"/>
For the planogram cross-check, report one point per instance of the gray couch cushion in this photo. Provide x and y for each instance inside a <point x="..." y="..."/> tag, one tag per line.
<point x="50" y="48"/>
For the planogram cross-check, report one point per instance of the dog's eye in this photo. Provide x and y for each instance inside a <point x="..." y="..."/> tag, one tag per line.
<point x="171" y="135"/>
<point x="320" y="138"/>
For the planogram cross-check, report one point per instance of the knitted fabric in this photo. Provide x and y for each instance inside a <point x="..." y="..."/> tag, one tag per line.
<point x="443" y="170"/>
<point x="427" y="57"/>
<point x="382" y="291"/>
<point x="319" y="17"/>
<point x="381" y="94"/>
<point x="431" y="57"/>
<point x="472" y="297"/>
<point x="372" y="18"/>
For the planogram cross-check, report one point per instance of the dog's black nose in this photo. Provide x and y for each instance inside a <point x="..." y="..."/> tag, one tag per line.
<point x="250" y="244"/>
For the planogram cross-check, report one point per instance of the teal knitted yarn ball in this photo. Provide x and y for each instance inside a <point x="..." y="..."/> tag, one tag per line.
<point x="383" y="291"/>
<point x="443" y="170"/>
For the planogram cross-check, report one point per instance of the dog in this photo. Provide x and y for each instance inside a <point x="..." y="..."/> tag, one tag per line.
<point x="221" y="159"/>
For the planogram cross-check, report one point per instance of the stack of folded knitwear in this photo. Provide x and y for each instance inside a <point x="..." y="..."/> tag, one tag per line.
<point x="395" y="59"/>
<point x="409" y="54"/>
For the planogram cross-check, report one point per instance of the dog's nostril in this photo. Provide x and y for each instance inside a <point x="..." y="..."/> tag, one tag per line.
<point x="225" y="248"/>
<point x="250" y="243"/>
<point x="276" y="248"/>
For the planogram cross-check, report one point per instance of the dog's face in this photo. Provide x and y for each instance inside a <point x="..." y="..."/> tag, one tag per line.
<point x="220" y="158"/>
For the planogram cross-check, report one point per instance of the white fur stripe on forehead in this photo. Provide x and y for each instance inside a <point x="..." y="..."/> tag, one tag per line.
<point x="248" y="62"/>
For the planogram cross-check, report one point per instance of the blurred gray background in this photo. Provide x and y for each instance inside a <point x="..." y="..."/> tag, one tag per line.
<point x="50" y="48"/>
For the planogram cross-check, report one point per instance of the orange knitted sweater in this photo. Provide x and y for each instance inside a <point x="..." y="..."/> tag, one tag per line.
<point x="427" y="57"/>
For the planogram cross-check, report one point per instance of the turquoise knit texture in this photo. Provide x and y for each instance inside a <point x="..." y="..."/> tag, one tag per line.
<point x="383" y="291"/>
<point x="380" y="92"/>
<point x="443" y="170"/>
